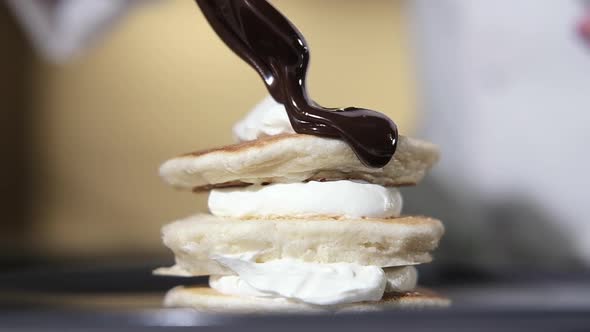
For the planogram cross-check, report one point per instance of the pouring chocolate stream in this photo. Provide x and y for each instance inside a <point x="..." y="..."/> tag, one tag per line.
<point x="264" y="38"/>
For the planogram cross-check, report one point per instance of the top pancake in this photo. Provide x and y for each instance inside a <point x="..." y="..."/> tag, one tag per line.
<point x="295" y="158"/>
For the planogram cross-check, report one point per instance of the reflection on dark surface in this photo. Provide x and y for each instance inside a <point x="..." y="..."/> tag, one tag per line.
<point x="15" y="139"/>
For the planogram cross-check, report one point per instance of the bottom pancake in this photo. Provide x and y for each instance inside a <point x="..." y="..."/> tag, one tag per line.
<point x="203" y="298"/>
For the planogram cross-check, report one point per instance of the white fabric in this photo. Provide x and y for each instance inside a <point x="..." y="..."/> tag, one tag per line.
<point x="60" y="29"/>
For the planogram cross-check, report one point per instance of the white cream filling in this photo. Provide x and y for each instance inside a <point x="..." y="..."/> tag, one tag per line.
<point x="331" y="198"/>
<point x="312" y="283"/>
<point x="268" y="118"/>
<point x="400" y="278"/>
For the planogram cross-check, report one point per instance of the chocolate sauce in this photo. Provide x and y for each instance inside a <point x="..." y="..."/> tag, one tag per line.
<point x="264" y="38"/>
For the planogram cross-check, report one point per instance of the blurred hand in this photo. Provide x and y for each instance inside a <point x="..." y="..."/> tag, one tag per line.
<point x="584" y="27"/>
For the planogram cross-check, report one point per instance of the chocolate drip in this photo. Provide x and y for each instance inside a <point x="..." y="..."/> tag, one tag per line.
<point x="264" y="38"/>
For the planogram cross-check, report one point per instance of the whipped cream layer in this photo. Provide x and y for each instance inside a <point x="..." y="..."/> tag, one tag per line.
<point x="332" y="198"/>
<point x="312" y="283"/>
<point x="268" y="118"/>
<point x="400" y="278"/>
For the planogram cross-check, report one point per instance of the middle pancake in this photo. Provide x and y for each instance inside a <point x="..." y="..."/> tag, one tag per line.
<point x="365" y="241"/>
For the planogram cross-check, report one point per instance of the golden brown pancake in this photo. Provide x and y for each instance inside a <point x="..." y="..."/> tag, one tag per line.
<point x="380" y="242"/>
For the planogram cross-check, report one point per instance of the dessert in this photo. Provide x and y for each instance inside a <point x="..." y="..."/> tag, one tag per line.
<point x="304" y="214"/>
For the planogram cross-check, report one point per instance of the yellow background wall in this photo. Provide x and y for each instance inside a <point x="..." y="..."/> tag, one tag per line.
<point x="162" y="83"/>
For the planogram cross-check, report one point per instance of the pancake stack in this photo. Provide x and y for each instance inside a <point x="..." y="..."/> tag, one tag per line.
<point x="298" y="224"/>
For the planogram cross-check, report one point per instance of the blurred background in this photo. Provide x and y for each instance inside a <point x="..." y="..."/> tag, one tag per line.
<point x="96" y="94"/>
<point x="89" y="122"/>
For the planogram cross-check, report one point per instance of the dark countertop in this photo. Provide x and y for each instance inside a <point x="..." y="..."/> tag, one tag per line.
<point x="129" y="298"/>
